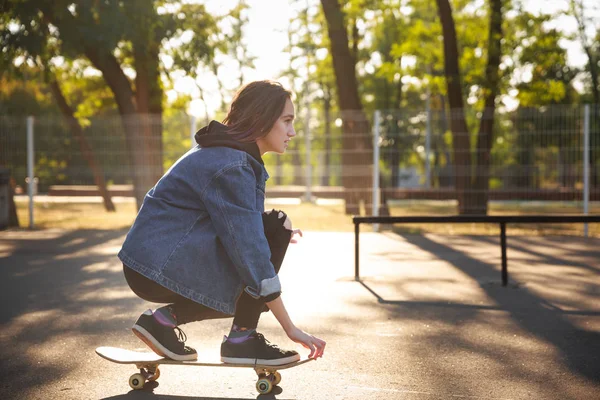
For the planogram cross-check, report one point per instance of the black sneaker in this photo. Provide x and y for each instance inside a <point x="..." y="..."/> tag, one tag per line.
<point x="162" y="339"/>
<point x="256" y="349"/>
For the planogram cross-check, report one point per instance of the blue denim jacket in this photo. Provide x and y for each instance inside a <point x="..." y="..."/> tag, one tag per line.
<point x="200" y="233"/>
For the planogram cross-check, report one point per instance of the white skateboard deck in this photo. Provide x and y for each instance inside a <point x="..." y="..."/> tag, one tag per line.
<point x="148" y="363"/>
<point x="125" y="356"/>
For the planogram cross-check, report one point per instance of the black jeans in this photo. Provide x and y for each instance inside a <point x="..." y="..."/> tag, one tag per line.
<point x="247" y="308"/>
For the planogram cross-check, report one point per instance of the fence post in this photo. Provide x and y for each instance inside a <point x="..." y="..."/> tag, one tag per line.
<point x="503" y="256"/>
<point x="308" y="167"/>
<point x="30" y="172"/>
<point x="376" y="188"/>
<point x="356" y="250"/>
<point x="586" y="165"/>
<point x="193" y="130"/>
<point x="428" y="143"/>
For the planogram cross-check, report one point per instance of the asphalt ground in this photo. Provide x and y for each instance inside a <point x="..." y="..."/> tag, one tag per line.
<point x="428" y="320"/>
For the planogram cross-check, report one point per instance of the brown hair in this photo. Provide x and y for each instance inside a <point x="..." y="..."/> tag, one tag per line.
<point x="255" y="109"/>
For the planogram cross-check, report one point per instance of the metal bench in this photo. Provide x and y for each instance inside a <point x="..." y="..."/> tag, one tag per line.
<point x="502" y="220"/>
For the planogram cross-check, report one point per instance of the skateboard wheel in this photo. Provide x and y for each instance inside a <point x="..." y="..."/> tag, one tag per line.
<point x="136" y="381"/>
<point x="276" y="378"/>
<point x="264" y="386"/>
<point x="154" y="376"/>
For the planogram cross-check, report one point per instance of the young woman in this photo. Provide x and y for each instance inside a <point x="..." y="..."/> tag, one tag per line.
<point x="202" y="243"/>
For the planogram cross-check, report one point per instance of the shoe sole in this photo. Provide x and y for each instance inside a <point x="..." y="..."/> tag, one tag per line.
<point x="156" y="347"/>
<point x="260" y="361"/>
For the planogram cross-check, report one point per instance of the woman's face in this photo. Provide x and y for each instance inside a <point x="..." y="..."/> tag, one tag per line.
<point x="278" y="138"/>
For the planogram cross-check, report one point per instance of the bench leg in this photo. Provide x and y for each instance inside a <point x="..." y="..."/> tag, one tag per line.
<point x="503" y="249"/>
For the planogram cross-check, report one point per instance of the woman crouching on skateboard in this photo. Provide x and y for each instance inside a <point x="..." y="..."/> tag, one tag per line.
<point x="202" y="243"/>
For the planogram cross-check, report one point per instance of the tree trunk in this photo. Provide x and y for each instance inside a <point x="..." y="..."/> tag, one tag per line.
<point x="13" y="218"/>
<point x="524" y="176"/>
<point x="577" y="8"/>
<point x="327" y="134"/>
<point x="124" y="96"/>
<point x="278" y="171"/>
<point x="148" y="92"/>
<point x="595" y="146"/>
<point x="114" y="76"/>
<point x="445" y="174"/>
<point x="393" y="156"/>
<point x="458" y="125"/>
<point x="86" y="150"/>
<point x="593" y="65"/>
<point x="485" y="137"/>
<point x="149" y="107"/>
<point x="357" y="148"/>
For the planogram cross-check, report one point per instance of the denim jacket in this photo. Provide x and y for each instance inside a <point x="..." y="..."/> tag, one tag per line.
<point x="199" y="231"/>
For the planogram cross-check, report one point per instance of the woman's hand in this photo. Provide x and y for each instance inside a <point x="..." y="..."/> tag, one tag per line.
<point x="314" y="344"/>
<point x="295" y="232"/>
<point x="287" y="224"/>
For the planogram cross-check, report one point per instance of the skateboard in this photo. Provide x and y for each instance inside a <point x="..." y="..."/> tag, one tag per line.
<point x="147" y="363"/>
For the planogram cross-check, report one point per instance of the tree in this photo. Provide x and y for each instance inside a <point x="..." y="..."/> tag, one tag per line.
<point x="86" y="150"/>
<point x="592" y="52"/>
<point x="116" y="37"/>
<point x="485" y="138"/>
<point x="42" y="68"/>
<point x="460" y="133"/>
<point x="306" y="74"/>
<point x="578" y="11"/>
<point x="356" y="145"/>
<point x="292" y="73"/>
<point x="471" y="186"/>
<point x="396" y="33"/>
<point x="20" y="95"/>
<point x="544" y="95"/>
<point x="408" y="62"/>
<point x="215" y="41"/>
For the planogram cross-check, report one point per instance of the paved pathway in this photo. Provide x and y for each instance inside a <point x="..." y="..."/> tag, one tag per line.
<point x="428" y="321"/>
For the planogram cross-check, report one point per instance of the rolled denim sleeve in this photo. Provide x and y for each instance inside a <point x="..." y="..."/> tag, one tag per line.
<point x="230" y="199"/>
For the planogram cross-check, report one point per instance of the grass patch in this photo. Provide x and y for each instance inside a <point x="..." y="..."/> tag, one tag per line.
<point x="306" y="216"/>
<point x="330" y="217"/>
<point x="413" y="208"/>
<point x="77" y="215"/>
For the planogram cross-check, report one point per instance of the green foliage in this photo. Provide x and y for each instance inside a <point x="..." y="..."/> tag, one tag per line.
<point x="68" y="40"/>
<point x="548" y="78"/>
<point x="25" y="97"/>
<point x="198" y="46"/>
<point x="399" y="61"/>
<point x="176" y="131"/>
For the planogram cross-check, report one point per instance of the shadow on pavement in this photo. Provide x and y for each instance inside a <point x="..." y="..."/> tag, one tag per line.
<point x="527" y="245"/>
<point x="41" y="274"/>
<point x="450" y="304"/>
<point x="579" y="348"/>
<point x="145" y="395"/>
<point x="148" y="393"/>
<point x="63" y="291"/>
<point x="57" y="287"/>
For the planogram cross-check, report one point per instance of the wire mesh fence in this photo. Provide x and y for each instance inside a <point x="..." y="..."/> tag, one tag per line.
<point x="533" y="154"/>
<point x="401" y="158"/>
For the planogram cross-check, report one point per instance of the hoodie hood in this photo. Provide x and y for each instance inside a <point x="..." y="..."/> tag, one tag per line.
<point x="215" y="135"/>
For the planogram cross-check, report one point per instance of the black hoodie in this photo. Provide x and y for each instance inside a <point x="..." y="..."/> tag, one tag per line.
<point x="215" y="135"/>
